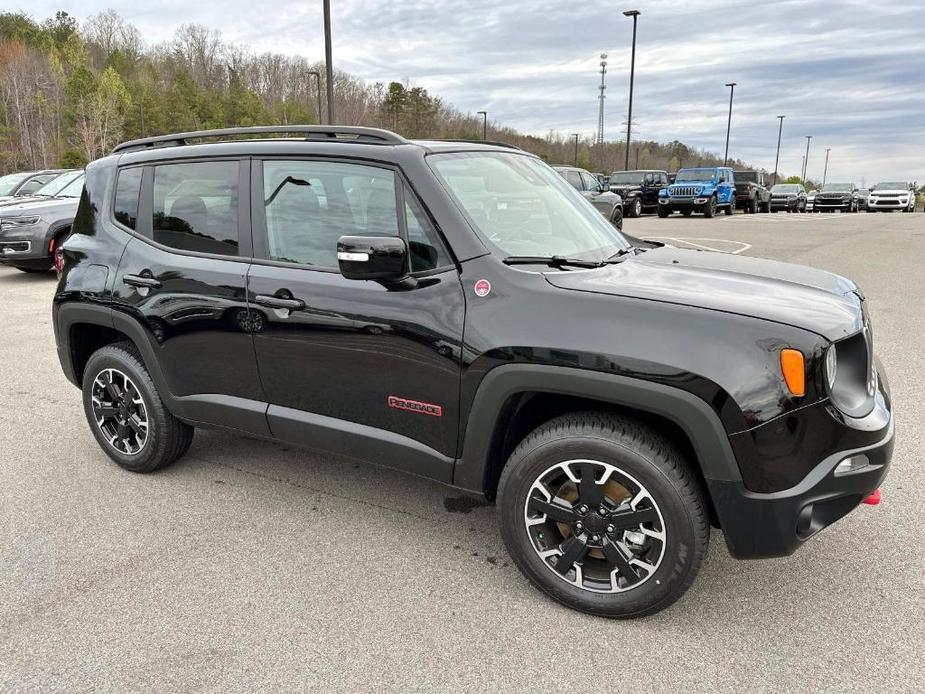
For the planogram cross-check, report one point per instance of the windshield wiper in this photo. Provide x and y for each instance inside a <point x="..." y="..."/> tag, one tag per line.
<point x="551" y="260"/>
<point x="629" y="250"/>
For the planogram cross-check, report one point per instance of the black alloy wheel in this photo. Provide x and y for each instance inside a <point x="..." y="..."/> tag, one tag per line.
<point x="120" y="412"/>
<point x="616" y="218"/>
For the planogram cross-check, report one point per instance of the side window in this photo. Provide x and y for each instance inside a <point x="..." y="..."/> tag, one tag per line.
<point x="590" y="182"/>
<point x="309" y="205"/>
<point x="196" y="206"/>
<point x="424" y="246"/>
<point x="574" y="178"/>
<point x="125" y="206"/>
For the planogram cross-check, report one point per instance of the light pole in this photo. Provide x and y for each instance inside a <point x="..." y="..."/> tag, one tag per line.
<point x="329" y="60"/>
<point x="317" y="76"/>
<point x="484" y="115"/>
<point x="806" y="158"/>
<point x="575" y="135"/>
<point x="732" y="88"/>
<point x="780" y="131"/>
<point x="629" y="118"/>
<point x="825" y="171"/>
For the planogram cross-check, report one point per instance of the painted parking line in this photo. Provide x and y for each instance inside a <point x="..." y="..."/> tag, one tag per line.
<point x="738" y="246"/>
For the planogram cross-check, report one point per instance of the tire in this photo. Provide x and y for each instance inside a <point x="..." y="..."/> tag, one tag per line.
<point x="651" y="477"/>
<point x="730" y="209"/>
<point x="663" y="211"/>
<point x="709" y="209"/>
<point x="616" y="218"/>
<point x="635" y="208"/>
<point x="752" y="206"/>
<point x="166" y="438"/>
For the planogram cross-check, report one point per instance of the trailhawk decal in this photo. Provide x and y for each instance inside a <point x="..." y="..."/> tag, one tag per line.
<point x="415" y="406"/>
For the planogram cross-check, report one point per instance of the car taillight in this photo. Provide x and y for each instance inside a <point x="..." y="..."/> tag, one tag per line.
<point x="59" y="259"/>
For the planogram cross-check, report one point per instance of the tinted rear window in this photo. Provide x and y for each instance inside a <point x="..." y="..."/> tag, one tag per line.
<point x="126" y="204"/>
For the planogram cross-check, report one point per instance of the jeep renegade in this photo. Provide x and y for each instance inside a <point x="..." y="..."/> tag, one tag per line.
<point x="458" y="311"/>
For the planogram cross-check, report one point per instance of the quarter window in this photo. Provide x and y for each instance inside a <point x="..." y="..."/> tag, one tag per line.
<point x="128" y="187"/>
<point x="196" y="206"/>
<point x="427" y="252"/>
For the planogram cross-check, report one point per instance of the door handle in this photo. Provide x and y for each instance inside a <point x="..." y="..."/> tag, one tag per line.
<point x="279" y="302"/>
<point x="141" y="281"/>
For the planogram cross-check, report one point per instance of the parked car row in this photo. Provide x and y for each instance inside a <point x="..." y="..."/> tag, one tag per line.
<point x="35" y="218"/>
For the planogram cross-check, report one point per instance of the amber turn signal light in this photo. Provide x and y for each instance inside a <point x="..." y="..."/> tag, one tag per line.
<point x="794" y="370"/>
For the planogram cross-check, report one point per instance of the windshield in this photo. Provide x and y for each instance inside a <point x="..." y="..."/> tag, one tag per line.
<point x="838" y="187"/>
<point x="747" y="176"/>
<point x="788" y="188"/>
<point x="72" y="189"/>
<point x="695" y="175"/>
<point x="11" y="182"/>
<point x="891" y="185"/>
<point x="57" y="184"/>
<point x="627" y="177"/>
<point x="521" y="207"/>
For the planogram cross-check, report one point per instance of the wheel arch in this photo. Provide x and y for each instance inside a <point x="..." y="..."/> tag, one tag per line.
<point x="514" y="399"/>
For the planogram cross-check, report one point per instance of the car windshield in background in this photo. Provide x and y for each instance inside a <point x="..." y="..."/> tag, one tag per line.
<point x="787" y="188"/>
<point x="56" y="185"/>
<point x="891" y="185"/>
<point x="521" y="207"/>
<point x="747" y="176"/>
<point x="837" y="188"/>
<point x="695" y="175"/>
<point x="626" y="177"/>
<point x="11" y="182"/>
<point x="72" y="189"/>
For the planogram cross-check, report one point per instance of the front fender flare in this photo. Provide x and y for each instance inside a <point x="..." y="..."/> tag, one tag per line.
<point x="693" y="415"/>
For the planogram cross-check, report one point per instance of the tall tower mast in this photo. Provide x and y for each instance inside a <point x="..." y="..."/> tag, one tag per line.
<point x="603" y="87"/>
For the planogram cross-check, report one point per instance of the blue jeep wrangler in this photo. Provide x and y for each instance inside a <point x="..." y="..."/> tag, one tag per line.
<point x="699" y="190"/>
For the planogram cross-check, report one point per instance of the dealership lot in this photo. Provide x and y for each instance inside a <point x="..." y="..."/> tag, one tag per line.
<point x="247" y="563"/>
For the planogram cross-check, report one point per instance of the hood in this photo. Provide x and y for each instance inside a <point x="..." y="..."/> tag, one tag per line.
<point x="890" y="191"/>
<point x="7" y="200"/>
<point x="38" y="206"/>
<point x="796" y="295"/>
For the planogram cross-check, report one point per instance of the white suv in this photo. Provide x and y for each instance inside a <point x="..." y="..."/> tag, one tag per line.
<point x="892" y="195"/>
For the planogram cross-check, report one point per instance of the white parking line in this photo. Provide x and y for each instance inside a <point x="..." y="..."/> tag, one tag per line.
<point x="691" y="241"/>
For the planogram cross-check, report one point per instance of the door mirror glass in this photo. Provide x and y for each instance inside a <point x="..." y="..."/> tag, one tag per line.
<point x="372" y="257"/>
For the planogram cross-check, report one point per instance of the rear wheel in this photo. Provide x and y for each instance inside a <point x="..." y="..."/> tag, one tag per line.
<point x="603" y="515"/>
<point x="730" y="209"/>
<point x="126" y="414"/>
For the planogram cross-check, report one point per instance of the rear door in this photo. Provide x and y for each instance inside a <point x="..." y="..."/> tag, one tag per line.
<point x="591" y="188"/>
<point x="354" y="365"/>
<point x="183" y="277"/>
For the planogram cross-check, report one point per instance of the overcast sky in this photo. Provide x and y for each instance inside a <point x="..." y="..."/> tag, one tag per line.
<point x="850" y="73"/>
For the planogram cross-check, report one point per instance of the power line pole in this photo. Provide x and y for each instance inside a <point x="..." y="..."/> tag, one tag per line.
<point x="825" y="171"/>
<point x="600" y="113"/>
<point x="575" y="135"/>
<point x="317" y="76"/>
<point x="732" y="87"/>
<point x="780" y="131"/>
<point x="329" y="60"/>
<point x="484" y="115"/>
<point x="629" y="118"/>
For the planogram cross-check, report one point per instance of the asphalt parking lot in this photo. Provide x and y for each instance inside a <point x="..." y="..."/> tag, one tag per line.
<point x="253" y="567"/>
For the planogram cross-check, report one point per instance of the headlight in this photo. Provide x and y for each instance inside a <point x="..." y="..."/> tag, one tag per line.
<point x="14" y="222"/>
<point x="831" y="366"/>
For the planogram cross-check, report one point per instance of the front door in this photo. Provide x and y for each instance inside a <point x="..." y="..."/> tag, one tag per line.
<point x="358" y="366"/>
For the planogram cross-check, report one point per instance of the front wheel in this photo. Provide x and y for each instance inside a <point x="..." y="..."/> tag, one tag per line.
<point x="126" y="414"/>
<point x="635" y="208"/>
<point x="709" y="209"/>
<point x="663" y="211"/>
<point x="752" y="206"/>
<point x="603" y="515"/>
<point x="616" y="218"/>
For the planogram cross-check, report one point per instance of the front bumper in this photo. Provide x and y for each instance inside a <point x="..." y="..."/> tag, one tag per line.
<point x="15" y="247"/>
<point x="695" y="203"/>
<point x="759" y="525"/>
<point x="888" y="204"/>
<point x="784" y="204"/>
<point x="832" y="204"/>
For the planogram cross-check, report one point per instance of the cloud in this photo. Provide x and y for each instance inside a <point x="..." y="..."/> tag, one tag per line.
<point x="847" y="72"/>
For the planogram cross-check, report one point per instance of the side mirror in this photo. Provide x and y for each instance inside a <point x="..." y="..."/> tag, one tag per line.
<point x="372" y="257"/>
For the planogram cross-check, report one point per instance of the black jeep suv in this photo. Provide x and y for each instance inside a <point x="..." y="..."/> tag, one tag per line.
<point x="639" y="189"/>
<point x="457" y="310"/>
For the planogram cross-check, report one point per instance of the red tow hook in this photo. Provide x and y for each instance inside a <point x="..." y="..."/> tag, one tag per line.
<point x="873" y="498"/>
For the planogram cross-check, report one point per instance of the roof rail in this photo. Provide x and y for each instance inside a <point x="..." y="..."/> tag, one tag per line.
<point x="346" y="133"/>
<point x="476" y="142"/>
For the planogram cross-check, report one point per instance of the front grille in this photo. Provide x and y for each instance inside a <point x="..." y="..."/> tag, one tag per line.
<point x="886" y="202"/>
<point x="684" y="191"/>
